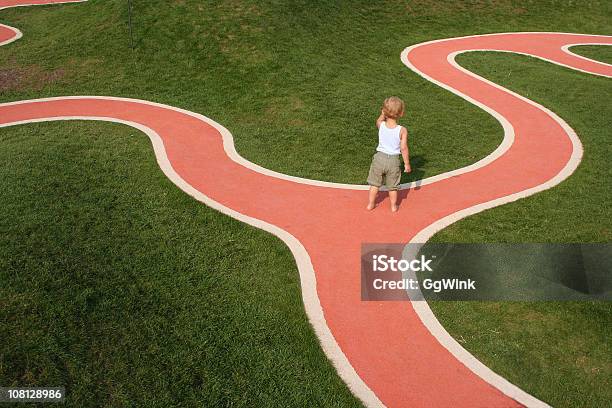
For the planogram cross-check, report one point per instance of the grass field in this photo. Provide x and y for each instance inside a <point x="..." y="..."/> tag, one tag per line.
<point x="121" y="287"/>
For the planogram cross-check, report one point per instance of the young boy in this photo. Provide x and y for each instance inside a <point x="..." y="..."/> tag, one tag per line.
<point x="392" y="141"/>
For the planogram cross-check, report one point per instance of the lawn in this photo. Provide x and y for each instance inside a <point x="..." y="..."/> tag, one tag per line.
<point x="126" y="290"/>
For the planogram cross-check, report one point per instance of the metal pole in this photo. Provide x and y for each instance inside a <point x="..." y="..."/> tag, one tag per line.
<point x="130" y="23"/>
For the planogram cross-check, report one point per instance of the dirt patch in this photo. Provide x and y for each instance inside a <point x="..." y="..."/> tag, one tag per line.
<point x="9" y="79"/>
<point x="31" y="77"/>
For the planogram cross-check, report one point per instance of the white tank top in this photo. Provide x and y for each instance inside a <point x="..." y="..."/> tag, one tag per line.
<point x="389" y="139"/>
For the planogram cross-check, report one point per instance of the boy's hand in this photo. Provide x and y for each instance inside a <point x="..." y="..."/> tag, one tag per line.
<point x="407" y="168"/>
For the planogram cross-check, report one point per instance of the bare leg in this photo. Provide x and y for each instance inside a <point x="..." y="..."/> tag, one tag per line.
<point x="393" y="199"/>
<point x="372" y="198"/>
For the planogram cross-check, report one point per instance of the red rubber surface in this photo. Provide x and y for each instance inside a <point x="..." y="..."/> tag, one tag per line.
<point x="387" y="344"/>
<point x="15" y="3"/>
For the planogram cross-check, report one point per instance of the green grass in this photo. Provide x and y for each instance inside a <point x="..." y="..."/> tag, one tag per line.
<point x="129" y="292"/>
<point x="596" y="52"/>
<point x="516" y="339"/>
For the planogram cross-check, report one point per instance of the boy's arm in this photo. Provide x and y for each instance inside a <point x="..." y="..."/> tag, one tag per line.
<point x="381" y="119"/>
<point x="404" y="149"/>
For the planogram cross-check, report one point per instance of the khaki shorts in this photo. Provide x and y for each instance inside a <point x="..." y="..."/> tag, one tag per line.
<point x="385" y="168"/>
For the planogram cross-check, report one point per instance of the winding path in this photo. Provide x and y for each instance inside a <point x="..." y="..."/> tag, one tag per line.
<point x="392" y="353"/>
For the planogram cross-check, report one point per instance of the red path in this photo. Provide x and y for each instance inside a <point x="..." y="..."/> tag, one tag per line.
<point x="387" y="344"/>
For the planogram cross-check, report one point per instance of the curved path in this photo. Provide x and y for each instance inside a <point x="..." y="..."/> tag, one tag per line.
<point x="392" y="353"/>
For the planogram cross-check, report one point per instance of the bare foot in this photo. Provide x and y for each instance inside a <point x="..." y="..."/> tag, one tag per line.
<point x="370" y="207"/>
<point x="394" y="208"/>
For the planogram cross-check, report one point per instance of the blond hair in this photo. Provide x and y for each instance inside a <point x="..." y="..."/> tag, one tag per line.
<point x="393" y="107"/>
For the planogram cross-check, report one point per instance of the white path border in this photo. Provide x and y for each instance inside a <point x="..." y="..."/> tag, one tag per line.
<point x="421" y="307"/>
<point x="566" y="49"/>
<point x="307" y="275"/>
<point x="308" y="282"/>
<point x="41" y="4"/>
<point x="18" y="34"/>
